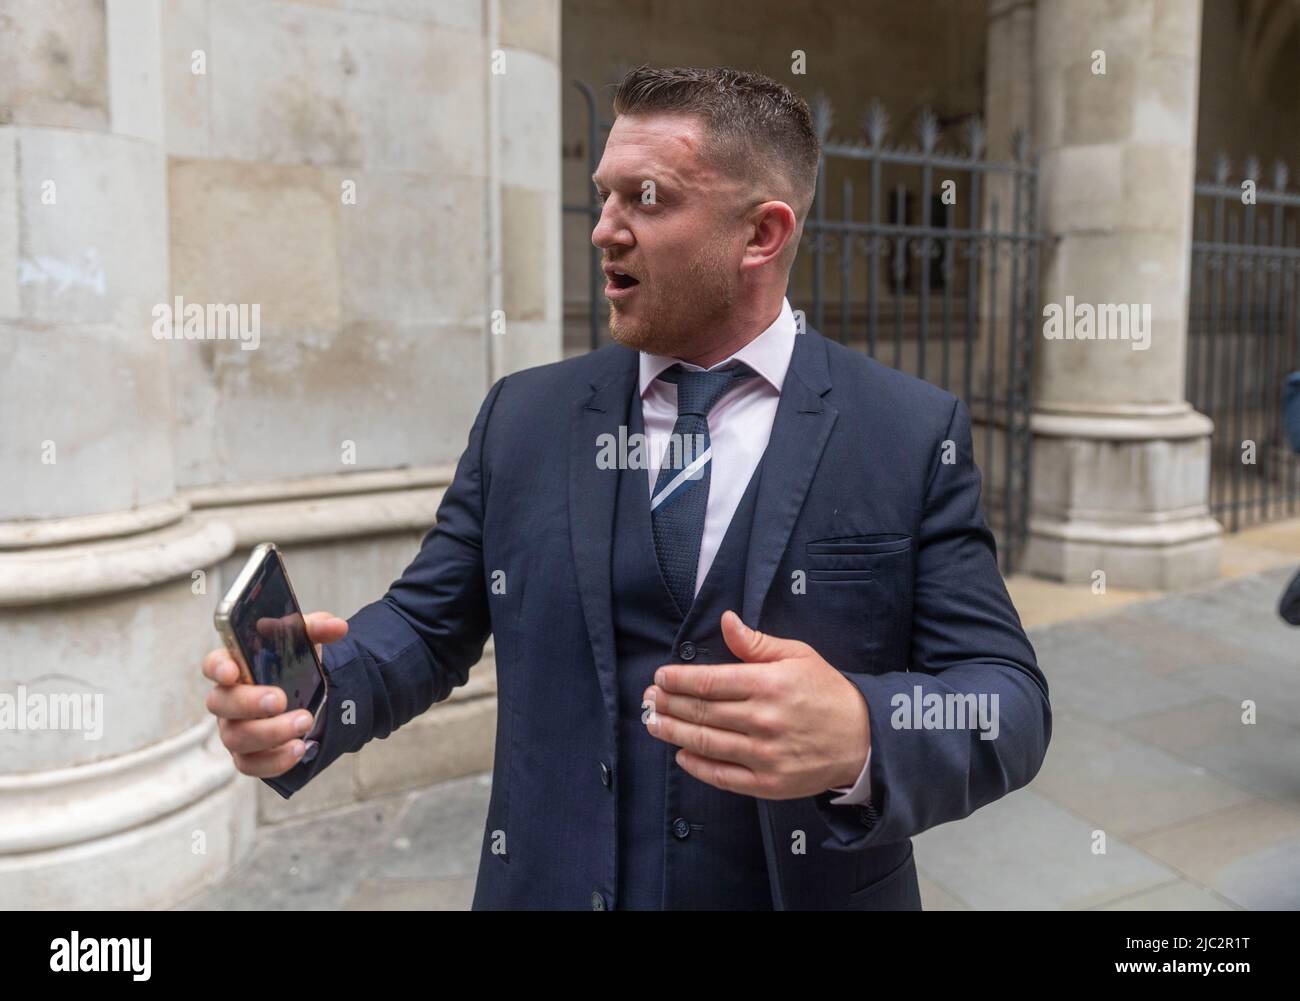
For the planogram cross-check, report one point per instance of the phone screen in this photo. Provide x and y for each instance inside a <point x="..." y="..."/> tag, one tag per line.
<point x="273" y="637"/>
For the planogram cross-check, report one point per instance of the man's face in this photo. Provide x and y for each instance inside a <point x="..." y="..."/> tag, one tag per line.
<point x="683" y="248"/>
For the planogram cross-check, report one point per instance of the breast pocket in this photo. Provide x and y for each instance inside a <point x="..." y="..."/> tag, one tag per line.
<point x="859" y="589"/>
<point x="853" y="557"/>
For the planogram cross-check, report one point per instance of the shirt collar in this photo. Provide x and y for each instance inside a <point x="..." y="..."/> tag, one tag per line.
<point x="768" y="354"/>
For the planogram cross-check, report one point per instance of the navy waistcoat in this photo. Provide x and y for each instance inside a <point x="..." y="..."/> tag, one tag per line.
<point x="682" y="844"/>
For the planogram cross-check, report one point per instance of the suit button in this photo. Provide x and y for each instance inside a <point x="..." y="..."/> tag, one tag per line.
<point x="597" y="901"/>
<point x="604" y="774"/>
<point x="681" y="828"/>
<point x="687" y="650"/>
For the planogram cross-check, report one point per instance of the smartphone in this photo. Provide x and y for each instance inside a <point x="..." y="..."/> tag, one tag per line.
<point x="262" y="626"/>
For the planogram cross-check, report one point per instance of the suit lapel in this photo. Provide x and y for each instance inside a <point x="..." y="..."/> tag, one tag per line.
<point x="592" y="496"/>
<point x="799" y="433"/>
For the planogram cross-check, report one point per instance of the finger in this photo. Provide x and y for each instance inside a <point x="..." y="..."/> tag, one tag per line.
<point x="323" y="627"/>
<point x="220" y="667"/>
<point x="268" y="764"/>
<point x="723" y="775"/>
<point x="738" y="715"/>
<point x="711" y="681"/>
<point x="706" y="741"/>
<point x="246" y="701"/>
<point x="249" y="736"/>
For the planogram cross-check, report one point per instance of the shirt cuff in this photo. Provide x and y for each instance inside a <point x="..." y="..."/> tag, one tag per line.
<point x="860" y="792"/>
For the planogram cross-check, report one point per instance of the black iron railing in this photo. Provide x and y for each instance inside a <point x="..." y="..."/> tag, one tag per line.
<point x="1243" y="338"/>
<point x="935" y="280"/>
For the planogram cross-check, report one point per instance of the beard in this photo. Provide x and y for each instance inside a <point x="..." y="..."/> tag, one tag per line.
<point x="675" y="313"/>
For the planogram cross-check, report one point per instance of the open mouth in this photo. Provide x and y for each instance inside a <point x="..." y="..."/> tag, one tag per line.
<point x="618" y="283"/>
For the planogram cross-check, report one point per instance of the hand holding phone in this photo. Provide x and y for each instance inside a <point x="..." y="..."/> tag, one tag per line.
<point x="270" y="688"/>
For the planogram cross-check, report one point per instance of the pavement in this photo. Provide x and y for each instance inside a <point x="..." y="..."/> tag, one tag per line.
<point x="1155" y="794"/>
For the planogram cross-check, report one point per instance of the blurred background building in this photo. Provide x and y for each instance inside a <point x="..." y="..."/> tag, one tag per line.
<point x="401" y="188"/>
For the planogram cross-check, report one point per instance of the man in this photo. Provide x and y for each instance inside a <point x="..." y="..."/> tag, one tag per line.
<point x="653" y="750"/>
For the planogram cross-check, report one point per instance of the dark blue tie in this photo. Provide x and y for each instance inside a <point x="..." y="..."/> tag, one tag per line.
<point x="681" y="495"/>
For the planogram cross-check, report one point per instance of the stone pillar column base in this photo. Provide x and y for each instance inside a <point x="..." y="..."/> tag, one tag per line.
<point x="1124" y="493"/>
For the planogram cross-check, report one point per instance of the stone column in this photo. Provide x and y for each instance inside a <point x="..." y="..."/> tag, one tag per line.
<point x="1121" y="460"/>
<point x="524" y="193"/>
<point x="113" y="791"/>
<point x="1008" y="68"/>
<point x="1008" y="109"/>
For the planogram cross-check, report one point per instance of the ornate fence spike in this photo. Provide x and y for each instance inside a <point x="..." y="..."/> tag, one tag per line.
<point x="1252" y="167"/>
<point x="927" y="129"/>
<point x="822" y="115"/>
<point x="876" y="122"/>
<point x="975" y="137"/>
<point x="1019" y="144"/>
<point x="1222" y="165"/>
<point x="1280" y="174"/>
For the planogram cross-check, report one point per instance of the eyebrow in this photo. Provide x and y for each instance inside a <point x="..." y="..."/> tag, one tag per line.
<point x="658" y="184"/>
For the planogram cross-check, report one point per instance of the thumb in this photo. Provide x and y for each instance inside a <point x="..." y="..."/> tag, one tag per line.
<point x="754" y="647"/>
<point x="322" y="627"/>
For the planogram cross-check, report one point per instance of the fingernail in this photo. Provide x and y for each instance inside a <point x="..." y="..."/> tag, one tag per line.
<point x="268" y="702"/>
<point x="298" y="748"/>
<point x="303" y="724"/>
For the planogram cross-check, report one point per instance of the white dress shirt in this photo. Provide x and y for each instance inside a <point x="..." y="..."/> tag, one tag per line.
<point x="740" y="425"/>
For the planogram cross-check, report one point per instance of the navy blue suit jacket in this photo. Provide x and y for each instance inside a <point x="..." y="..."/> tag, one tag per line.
<point x="869" y="495"/>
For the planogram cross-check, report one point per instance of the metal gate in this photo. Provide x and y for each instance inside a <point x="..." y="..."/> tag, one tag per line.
<point x="936" y="279"/>
<point x="1243" y="335"/>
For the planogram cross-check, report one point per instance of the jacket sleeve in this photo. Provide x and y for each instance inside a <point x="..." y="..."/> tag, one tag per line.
<point x="968" y="643"/>
<point x="410" y="648"/>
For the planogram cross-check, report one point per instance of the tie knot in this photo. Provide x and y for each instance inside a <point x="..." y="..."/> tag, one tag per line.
<point x="697" y="392"/>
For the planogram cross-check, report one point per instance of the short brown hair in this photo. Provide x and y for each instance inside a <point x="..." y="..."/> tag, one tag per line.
<point x="757" y="127"/>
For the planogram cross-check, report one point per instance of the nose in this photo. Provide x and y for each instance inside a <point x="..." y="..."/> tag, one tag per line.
<point x="610" y="231"/>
